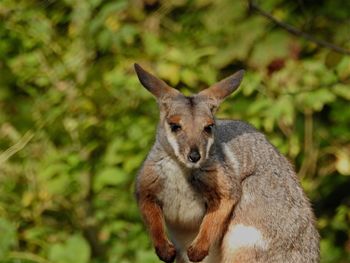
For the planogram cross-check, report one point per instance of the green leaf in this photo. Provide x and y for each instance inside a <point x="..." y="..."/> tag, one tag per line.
<point x="342" y="163"/>
<point x="109" y="176"/>
<point x="189" y="77"/>
<point x="153" y="45"/>
<point x="74" y="250"/>
<point x="342" y="90"/>
<point x="8" y="237"/>
<point x="274" y="45"/>
<point x="332" y="59"/>
<point x="169" y="72"/>
<point x="343" y="68"/>
<point x="315" y="99"/>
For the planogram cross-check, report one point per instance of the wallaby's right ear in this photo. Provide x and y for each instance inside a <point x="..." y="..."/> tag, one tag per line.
<point x="219" y="91"/>
<point x="156" y="86"/>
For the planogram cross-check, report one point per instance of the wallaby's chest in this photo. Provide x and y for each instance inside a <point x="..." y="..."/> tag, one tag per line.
<point x="181" y="204"/>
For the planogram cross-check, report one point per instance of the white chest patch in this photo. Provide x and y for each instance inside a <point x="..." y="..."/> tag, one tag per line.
<point x="239" y="236"/>
<point x="182" y="206"/>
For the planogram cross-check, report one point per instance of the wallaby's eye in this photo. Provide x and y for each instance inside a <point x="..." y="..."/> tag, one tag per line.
<point x="209" y="128"/>
<point x="175" y="127"/>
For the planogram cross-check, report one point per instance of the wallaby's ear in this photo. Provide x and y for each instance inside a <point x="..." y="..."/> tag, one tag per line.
<point x="219" y="91"/>
<point x="154" y="85"/>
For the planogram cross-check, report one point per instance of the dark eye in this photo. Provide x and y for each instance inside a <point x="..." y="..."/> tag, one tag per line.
<point x="209" y="129"/>
<point x="175" y="127"/>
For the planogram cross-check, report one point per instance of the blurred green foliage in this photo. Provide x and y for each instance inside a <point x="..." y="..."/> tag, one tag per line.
<point x="75" y="124"/>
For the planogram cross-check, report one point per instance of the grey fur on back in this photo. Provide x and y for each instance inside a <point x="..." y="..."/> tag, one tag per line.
<point x="272" y="199"/>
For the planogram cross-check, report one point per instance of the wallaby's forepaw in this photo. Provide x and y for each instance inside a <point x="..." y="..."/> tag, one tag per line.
<point x="166" y="252"/>
<point x="197" y="253"/>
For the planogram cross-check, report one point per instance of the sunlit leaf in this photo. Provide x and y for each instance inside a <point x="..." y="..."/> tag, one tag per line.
<point x="343" y="162"/>
<point x="8" y="237"/>
<point x="109" y="177"/>
<point x="74" y="250"/>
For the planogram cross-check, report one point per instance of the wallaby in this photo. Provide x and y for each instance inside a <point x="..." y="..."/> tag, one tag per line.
<point x="218" y="188"/>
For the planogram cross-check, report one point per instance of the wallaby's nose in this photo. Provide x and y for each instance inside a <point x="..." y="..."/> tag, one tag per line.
<point x="194" y="156"/>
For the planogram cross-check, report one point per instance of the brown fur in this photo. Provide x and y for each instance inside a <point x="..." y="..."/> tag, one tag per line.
<point x="215" y="190"/>
<point x="239" y="201"/>
<point x="174" y="119"/>
<point x="220" y="196"/>
<point x="152" y="214"/>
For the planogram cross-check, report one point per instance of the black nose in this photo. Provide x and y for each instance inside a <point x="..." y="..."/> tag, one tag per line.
<point x="194" y="156"/>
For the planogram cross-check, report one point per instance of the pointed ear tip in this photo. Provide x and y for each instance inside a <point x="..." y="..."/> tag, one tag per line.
<point x="241" y="72"/>
<point x="137" y="67"/>
<point x="239" y="75"/>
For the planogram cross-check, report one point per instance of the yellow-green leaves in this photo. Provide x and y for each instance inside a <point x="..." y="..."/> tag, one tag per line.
<point x="74" y="250"/>
<point x="66" y="76"/>
<point x="342" y="163"/>
<point x="8" y="237"/>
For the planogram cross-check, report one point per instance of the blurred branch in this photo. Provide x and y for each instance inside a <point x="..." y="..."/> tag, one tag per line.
<point x="16" y="147"/>
<point x="308" y="166"/>
<point x="92" y="230"/>
<point x="297" y="32"/>
<point x="26" y="256"/>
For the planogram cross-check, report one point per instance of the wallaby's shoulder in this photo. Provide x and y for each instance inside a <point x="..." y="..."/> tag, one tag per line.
<point x="227" y="130"/>
<point x="250" y="148"/>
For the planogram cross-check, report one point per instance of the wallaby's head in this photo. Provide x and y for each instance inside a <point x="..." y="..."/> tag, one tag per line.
<point x="187" y="124"/>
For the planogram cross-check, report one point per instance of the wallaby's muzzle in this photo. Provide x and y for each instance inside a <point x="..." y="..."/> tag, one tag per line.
<point x="194" y="156"/>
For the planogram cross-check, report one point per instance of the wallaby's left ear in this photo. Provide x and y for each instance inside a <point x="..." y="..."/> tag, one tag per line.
<point x="156" y="86"/>
<point x="219" y="91"/>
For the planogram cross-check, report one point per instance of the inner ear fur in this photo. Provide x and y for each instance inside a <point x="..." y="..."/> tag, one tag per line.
<point x="156" y="86"/>
<point x="220" y="90"/>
